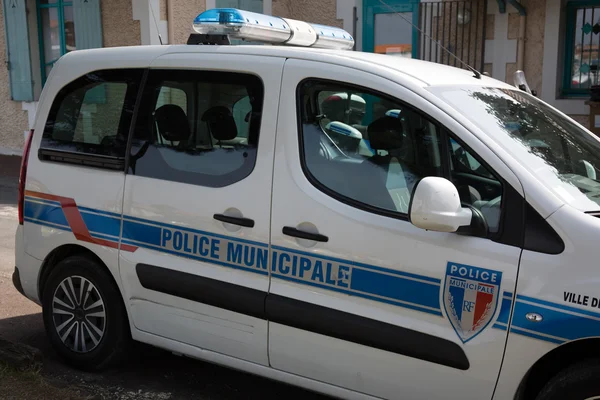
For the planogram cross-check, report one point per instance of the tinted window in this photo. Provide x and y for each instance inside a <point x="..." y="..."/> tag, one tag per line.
<point x="92" y="115"/>
<point x="203" y="130"/>
<point x="240" y="113"/>
<point x="172" y="95"/>
<point x="370" y="150"/>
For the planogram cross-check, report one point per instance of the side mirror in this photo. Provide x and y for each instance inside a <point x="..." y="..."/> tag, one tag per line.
<point x="520" y="81"/>
<point x="589" y="169"/>
<point x="435" y="206"/>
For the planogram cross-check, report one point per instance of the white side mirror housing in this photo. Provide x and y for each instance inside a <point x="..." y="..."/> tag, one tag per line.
<point x="435" y="206"/>
<point x="589" y="169"/>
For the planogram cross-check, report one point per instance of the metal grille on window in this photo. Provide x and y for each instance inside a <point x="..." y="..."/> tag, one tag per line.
<point x="586" y="41"/>
<point x="459" y="26"/>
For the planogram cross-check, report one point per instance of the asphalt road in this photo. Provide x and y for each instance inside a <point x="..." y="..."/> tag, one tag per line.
<point x="151" y="374"/>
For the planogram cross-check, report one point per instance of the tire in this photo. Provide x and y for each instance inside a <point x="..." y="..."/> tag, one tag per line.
<point x="91" y="336"/>
<point x="577" y="382"/>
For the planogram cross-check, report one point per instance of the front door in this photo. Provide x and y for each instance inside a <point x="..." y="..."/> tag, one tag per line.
<point x="198" y="201"/>
<point x="359" y="296"/>
<point x="389" y="27"/>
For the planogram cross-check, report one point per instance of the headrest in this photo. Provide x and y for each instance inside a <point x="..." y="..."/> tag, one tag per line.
<point x="220" y="122"/>
<point x="343" y="129"/>
<point x="172" y="122"/>
<point x="385" y="133"/>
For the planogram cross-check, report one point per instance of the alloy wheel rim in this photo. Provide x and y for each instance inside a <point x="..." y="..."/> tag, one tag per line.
<point x="79" y="314"/>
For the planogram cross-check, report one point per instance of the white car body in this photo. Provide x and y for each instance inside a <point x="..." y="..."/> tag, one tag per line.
<point x="380" y="268"/>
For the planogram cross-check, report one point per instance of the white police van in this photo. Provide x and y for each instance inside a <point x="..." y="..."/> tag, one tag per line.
<point x="361" y="225"/>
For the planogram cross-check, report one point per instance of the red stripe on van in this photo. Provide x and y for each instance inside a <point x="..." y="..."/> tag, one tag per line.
<point x="76" y="221"/>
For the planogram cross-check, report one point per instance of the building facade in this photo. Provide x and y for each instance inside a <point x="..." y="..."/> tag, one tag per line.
<point x="555" y="42"/>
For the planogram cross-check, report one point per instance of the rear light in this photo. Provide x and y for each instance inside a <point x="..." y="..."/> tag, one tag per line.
<point x="23" y="175"/>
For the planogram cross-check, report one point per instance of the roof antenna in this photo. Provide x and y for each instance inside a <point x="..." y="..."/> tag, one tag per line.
<point x="476" y="73"/>
<point x="155" y="22"/>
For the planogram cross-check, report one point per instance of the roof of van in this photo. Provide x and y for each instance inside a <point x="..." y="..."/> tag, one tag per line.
<point x="429" y="73"/>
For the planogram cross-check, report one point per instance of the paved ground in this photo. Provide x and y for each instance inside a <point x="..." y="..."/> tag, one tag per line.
<point x="152" y="374"/>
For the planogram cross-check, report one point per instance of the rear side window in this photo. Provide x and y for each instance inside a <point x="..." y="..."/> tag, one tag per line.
<point x="91" y="116"/>
<point x="197" y="127"/>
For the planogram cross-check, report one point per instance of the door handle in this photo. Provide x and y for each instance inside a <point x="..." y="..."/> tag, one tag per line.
<point x="291" y="231"/>
<point x="247" y="222"/>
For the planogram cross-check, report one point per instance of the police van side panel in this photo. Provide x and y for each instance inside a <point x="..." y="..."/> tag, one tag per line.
<point x="364" y="292"/>
<point x="55" y="173"/>
<point x="559" y="294"/>
<point x="197" y="202"/>
<point x="73" y="200"/>
<point x="57" y="211"/>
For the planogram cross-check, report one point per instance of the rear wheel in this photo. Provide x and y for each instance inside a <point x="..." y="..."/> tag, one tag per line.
<point x="578" y="382"/>
<point x="84" y="314"/>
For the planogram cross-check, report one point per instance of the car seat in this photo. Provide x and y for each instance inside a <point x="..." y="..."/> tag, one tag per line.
<point x="172" y="124"/>
<point x="221" y="124"/>
<point x="386" y="134"/>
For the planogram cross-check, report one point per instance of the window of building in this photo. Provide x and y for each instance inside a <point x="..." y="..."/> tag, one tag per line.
<point x="56" y="32"/>
<point x="62" y="26"/>
<point x="369" y="151"/>
<point x="78" y="124"/>
<point x="198" y="127"/>
<point x="582" y="43"/>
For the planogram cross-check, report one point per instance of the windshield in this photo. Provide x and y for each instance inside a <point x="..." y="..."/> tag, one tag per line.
<point x="562" y="155"/>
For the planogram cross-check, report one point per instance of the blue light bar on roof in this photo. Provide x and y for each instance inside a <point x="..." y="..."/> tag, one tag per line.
<point x="251" y="26"/>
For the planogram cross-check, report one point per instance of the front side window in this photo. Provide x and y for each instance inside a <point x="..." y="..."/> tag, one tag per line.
<point x="198" y="127"/>
<point x="78" y="123"/>
<point x="476" y="184"/>
<point x="563" y="156"/>
<point x="369" y="150"/>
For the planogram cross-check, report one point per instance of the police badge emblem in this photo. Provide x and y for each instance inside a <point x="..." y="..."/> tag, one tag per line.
<point x="470" y="297"/>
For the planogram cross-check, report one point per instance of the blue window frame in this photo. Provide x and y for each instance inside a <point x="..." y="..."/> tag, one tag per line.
<point x="374" y="9"/>
<point x="582" y="46"/>
<point x="56" y="30"/>
<point x="383" y="38"/>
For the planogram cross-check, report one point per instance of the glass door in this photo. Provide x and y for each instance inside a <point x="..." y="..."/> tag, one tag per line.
<point x="389" y="28"/>
<point x="56" y="32"/>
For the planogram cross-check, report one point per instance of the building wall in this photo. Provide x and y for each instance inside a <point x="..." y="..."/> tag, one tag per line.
<point x="534" y="42"/>
<point x="184" y="11"/>
<point x="501" y="34"/>
<point x="118" y="26"/>
<point x="316" y="11"/>
<point x="13" y="119"/>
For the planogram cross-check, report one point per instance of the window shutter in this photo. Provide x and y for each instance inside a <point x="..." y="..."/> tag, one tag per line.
<point x="88" y="35"/>
<point x="88" y="24"/>
<point x="18" y="57"/>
